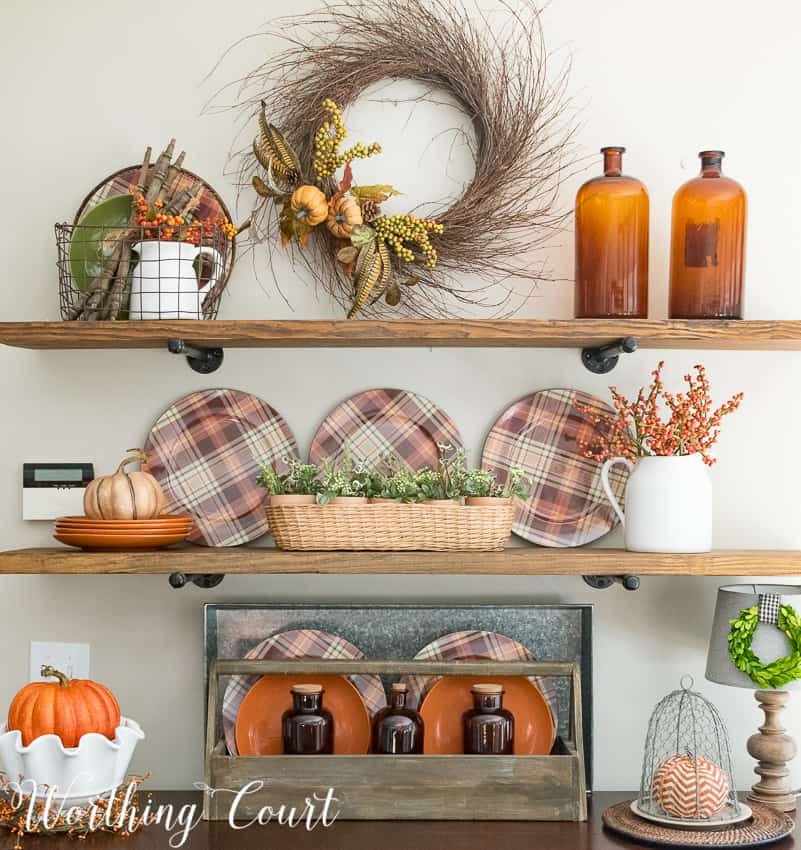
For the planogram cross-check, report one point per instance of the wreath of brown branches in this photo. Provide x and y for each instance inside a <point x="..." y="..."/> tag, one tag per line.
<point x="499" y="78"/>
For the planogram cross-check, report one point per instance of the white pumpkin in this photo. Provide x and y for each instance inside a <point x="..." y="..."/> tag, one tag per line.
<point x="124" y="495"/>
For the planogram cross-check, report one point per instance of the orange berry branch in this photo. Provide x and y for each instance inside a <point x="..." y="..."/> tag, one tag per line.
<point x="158" y="224"/>
<point x="661" y="423"/>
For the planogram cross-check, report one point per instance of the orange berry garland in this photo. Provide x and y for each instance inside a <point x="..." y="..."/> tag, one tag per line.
<point x="640" y="428"/>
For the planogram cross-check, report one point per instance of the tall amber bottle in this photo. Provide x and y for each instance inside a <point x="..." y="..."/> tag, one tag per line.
<point x="707" y="245"/>
<point x="612" y="244"/>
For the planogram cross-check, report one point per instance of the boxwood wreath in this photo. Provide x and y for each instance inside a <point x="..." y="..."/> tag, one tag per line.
<point x="776" y="673"/>
<point x="304" y="179"/>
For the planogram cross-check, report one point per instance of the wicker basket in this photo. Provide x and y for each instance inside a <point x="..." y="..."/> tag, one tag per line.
<point x="393" y="526"/>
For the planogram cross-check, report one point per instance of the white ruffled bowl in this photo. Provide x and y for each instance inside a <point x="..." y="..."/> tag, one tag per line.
<point x="92" y="768"/>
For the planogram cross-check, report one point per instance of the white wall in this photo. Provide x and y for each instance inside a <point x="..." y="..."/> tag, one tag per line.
<point x="665" y="79"/>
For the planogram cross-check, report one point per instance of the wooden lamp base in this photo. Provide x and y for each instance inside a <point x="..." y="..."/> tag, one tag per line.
<point x="772" y="748"/>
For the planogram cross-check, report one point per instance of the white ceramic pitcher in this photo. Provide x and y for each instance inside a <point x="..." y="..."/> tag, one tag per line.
<point x="668" y="503"/>
<point x="164" y="284"/>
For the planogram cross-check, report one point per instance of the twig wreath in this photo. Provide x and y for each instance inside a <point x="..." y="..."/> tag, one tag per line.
<point x="779" y="672"/>
<point x="305" y="184"/>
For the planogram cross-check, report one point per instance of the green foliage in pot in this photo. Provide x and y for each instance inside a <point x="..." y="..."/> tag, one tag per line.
<point x="483" y="483"/>
<point x="444" y="482"/>
<point x="402" y="486"/>
<point x="517" y="487"/>
<point x="301" y="479"/>
<point x="479" y="483"/>
<point x="344" y="479"/>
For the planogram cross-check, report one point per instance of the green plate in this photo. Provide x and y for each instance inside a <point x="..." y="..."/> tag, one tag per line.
<point x="88" y="250"/>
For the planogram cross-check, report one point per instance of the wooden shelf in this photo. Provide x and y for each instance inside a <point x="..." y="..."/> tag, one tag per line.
<point x="509" y="333"/>
<point x="515" y="561"/>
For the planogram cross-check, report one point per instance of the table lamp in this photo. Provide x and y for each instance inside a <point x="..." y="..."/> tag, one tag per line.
<point x="771" y="746"/>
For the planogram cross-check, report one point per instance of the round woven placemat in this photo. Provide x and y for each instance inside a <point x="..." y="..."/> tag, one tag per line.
<point x="767" y="825"/>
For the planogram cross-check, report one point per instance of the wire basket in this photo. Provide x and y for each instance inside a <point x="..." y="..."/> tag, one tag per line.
<point x="687" y="775"/>
<point x="118" y="271"/>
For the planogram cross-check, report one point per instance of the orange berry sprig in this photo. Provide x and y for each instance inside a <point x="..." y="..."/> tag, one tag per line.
<point x="639" y="428"/>
<point x="168" y="227"/>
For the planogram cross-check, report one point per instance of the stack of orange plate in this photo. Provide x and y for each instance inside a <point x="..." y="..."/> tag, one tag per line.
<point x="86" y="533"/>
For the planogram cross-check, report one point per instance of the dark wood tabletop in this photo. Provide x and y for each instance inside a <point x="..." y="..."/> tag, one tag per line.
<point x="368" y="835"/>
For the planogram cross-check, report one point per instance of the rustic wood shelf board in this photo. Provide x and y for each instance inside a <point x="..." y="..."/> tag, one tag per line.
<point x="515" y="561"/>
<point x="468" y="333"/>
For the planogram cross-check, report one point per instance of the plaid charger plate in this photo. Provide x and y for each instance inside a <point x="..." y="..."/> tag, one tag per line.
<point x="380" y="423"/>
<point x="476" y="646"/>
<point x="298" y="643"/>
<point x="205" y="451"/>
<point x="547" y="434"/>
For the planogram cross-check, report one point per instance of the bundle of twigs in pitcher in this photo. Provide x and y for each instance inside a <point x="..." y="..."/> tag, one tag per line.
<point x="159" y="195"/>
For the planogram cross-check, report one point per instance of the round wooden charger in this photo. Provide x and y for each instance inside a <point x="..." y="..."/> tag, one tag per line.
<point x="766" y="825"/>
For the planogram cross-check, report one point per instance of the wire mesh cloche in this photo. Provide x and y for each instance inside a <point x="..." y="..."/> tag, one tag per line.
<point x="686" y="773"/>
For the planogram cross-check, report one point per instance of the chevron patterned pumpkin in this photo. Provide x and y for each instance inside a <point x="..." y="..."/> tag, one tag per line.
<point x="675" y="787"/>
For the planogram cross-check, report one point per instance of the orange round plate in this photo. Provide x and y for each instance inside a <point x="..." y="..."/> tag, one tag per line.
<point x="450" y="697"/>
<point x="85" y="540"/>
<point x="175" y="528"/>
<point x="158" y="521"/>
<point x="258" y="724"/>
<point x="179" y="532"/>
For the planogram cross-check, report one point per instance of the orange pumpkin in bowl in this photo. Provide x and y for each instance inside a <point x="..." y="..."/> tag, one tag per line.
<point x="69" y="708"/>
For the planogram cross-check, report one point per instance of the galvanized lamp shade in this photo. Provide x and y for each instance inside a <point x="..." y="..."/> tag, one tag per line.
<point x="771" y="746"/>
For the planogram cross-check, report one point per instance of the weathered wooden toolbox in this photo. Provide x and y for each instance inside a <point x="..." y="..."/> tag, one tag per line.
<point x="427" y="787"/>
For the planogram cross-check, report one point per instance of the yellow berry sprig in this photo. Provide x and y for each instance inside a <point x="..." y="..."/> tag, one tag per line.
<point x="327" y="156"/>
<point x="398" y="230"/>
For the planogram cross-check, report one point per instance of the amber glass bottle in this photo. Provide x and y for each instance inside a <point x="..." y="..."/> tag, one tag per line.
<point x="397" y="729"/>
<point x="707" y="245"/>
<point x="307" y="727"/>
<point x="612" y="244"/>
<point x="489" y="728"/>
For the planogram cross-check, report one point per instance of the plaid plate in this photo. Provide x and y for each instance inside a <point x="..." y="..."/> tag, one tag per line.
<point x="381" y="422"/>
<point x="473" y="646"/>
<point x="545" y="433"/>
<point x="209" y="206"/>
<point x="205" y="450"/>
<point x="299" y="643"/>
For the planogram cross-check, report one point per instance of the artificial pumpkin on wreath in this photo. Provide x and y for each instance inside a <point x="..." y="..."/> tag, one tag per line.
<point x="124" y="495"/>
<point x="69" y="708"/>
<point x="310" y="204"/>
<point x="691" y="791"/>
<point x="343" y="214"/>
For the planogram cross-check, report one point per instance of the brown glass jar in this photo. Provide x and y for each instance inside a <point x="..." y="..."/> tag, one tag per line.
<point x="307" y="727"/>
<point x="489" y="728"/>
<point x="707" y="245"/>
<point x="397" y="729"/>
<point x="611" y="235"/>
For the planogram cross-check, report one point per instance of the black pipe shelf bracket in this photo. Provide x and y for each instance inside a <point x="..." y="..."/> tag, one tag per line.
<point x="628" y="582"/>
<point x="603" y="358"/>
<point x="203" y="360"/>
<point x="202" y="580"/>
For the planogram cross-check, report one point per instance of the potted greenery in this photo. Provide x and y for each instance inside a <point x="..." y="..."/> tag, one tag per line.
<point x="401" y="486"/>
<point x="480" y="486"/>
<point x="443" y="485"/>
<point x="299" y="485"/>
<point x="394" y="483"/>
<point x="344" y="484"/>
